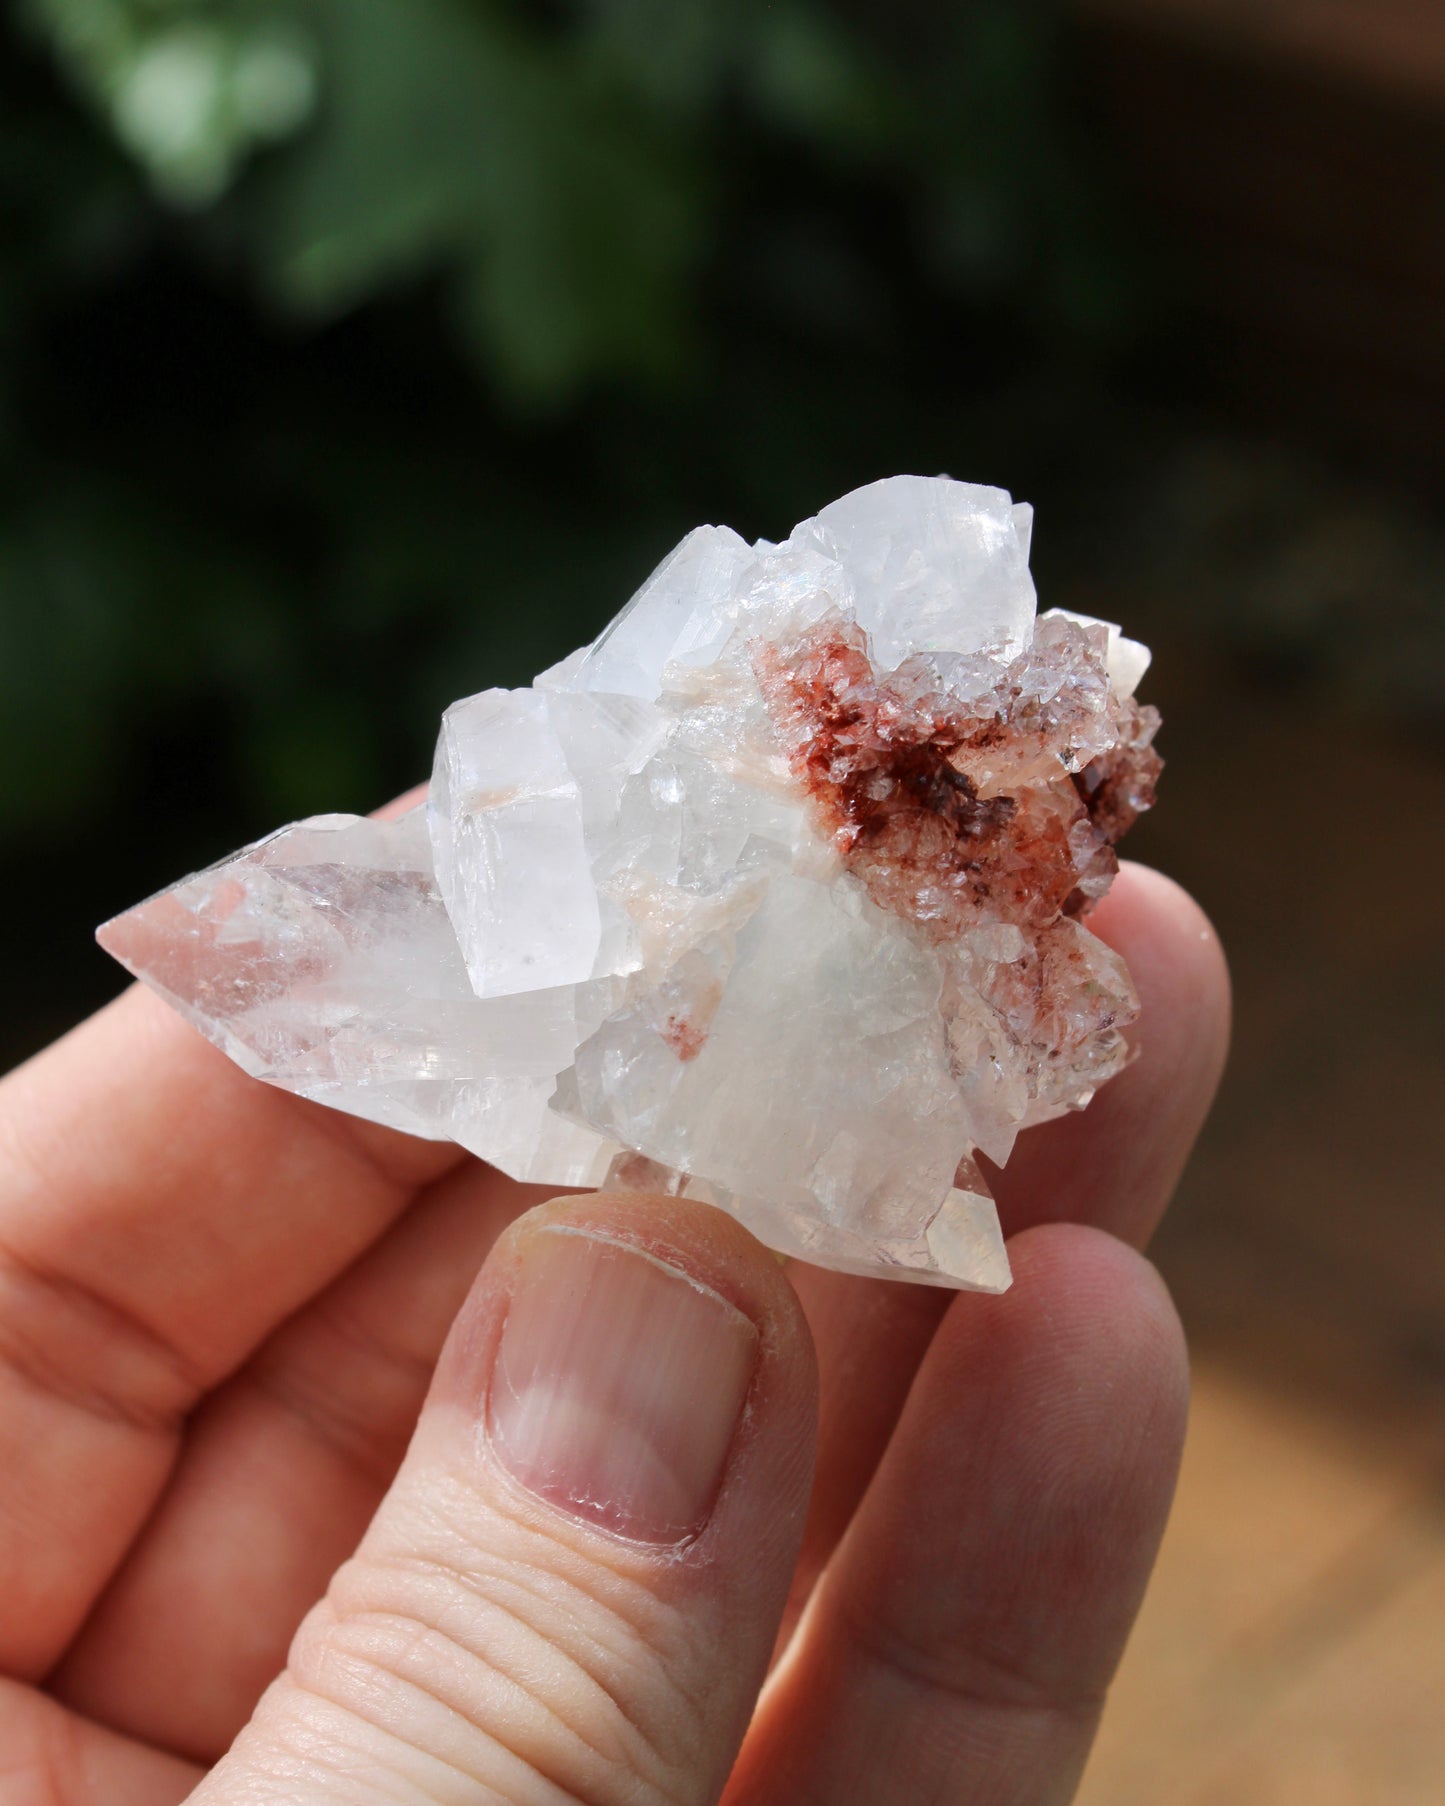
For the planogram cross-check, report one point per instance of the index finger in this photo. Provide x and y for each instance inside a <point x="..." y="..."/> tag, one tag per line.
<point x="160" y="1213"/>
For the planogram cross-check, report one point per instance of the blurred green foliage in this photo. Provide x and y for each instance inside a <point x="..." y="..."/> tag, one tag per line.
<point x="355" y="352"/>
<point x="568" y="171"/>
<point x="190" y="90"/>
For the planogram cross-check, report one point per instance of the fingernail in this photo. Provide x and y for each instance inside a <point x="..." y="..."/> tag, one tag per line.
<point x="618" y="1385"/>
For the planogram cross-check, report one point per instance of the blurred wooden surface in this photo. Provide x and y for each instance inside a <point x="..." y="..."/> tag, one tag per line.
<point x="1290" y="155"/>
<point x="1397" y="44"/>
<point x="1292" y="1649"/>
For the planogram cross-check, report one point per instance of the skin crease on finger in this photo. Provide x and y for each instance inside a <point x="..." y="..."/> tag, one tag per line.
<point x="1032" y="1386"/>
<point x="963" y="1635"/>
<point x="283" y="1468"/>
<point x="1115" y="1164"/>
<point x="619" y="1665"/>
<point x="160" y="1214"/>
<point x="286" y="1444"/>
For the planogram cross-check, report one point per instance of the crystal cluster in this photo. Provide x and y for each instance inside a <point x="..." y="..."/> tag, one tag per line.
<point x="772" y="896"/>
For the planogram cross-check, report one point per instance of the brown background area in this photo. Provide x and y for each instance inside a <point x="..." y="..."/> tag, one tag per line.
<point x="1292" y="1648"/>
<point x="1293" y="1644"/>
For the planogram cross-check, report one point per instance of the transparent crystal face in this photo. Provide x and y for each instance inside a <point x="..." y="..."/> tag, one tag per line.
<point x="775" y="895"/>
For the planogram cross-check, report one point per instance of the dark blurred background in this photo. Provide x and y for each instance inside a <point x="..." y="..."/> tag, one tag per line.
<point x="358" y="354"/>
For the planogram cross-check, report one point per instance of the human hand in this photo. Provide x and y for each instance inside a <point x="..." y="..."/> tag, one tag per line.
<point x="220" y="1312"/>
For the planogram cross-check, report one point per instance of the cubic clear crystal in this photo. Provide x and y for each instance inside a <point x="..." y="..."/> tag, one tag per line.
<point x="773" y="896"/>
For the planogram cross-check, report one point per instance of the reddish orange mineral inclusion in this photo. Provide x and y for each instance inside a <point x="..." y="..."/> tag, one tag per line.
<point x="684" y="1036"/>
<point x="914" y="788"/>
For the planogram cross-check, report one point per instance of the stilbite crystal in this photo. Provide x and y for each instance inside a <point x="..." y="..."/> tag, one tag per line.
<point x="773" y="896"/>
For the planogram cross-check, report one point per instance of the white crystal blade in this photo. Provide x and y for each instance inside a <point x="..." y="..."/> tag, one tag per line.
<point x="934" y="565"/>
<point x="507" y="836"/>
<point x="696" y="582"/>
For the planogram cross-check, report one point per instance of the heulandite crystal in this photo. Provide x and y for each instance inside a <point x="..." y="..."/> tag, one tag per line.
<point x="775" y="895"/>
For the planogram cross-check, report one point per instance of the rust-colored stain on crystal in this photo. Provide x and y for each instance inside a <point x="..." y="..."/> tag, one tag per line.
<point x="684" y="1037"/>
<point x="906" y="780"/>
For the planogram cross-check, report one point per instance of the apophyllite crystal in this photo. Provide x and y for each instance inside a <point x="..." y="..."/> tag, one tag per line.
<point x="773" y="896"/>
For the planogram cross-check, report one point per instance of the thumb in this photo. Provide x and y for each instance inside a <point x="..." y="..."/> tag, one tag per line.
<point x="572" y="1589"/>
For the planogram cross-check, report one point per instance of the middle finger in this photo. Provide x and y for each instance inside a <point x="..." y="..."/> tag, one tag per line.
<point x="1114" y="1167"/>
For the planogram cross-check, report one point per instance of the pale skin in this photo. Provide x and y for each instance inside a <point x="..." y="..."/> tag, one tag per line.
<point x="245" y="1351"/>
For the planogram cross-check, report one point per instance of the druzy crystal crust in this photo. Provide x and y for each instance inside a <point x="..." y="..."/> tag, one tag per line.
<point x="774" y="896"/>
